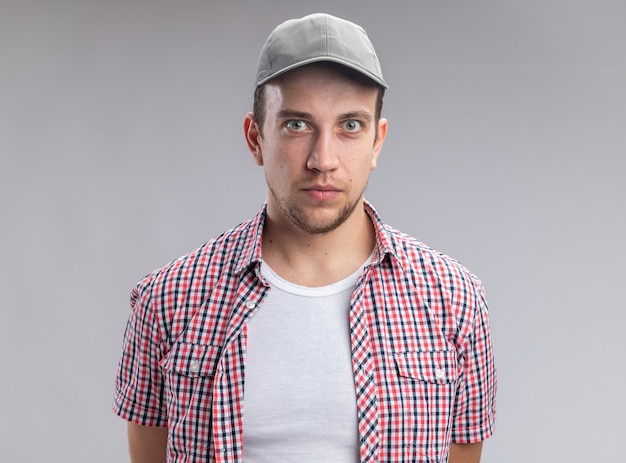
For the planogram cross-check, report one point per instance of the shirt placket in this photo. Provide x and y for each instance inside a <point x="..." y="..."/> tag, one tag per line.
<point x="365" y="386"/>
<point x="229" y="381"/>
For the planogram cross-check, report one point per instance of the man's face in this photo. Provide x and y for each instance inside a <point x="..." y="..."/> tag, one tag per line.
<point x="318" y="147"/>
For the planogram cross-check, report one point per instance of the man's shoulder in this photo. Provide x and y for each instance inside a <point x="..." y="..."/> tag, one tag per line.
<point x="221" y="255"/>
<point x="417" y="258"/>
<point x="425" y="261"/>
<point x="452" y="293"/>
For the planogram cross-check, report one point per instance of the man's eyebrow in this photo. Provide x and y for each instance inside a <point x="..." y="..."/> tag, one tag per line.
<point x="293" y="114"/>
<point x="365" y="115"/>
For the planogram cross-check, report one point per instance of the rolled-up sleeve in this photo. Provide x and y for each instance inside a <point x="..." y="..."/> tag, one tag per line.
<point x="475" y="408"/>
<point x="139" y="388"/>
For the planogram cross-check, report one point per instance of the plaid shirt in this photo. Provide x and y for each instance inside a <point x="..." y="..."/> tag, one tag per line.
<point x="421" y="352"/>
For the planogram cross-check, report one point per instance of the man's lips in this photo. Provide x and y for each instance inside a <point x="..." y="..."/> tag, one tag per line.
<point x="321" y="188"/>
<point x="322" y="192"/>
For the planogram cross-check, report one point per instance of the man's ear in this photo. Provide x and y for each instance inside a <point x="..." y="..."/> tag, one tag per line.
<point x="378" y="143"/>
<point x="253" y="136"/>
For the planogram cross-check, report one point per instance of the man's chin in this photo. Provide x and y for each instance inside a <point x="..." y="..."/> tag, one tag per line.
<point x="320" y="222"/>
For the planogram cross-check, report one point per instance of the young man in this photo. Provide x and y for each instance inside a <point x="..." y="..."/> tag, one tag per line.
<point x="313" y="332"/>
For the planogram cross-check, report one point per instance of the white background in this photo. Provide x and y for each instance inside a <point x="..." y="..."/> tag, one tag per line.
<point x="121" y="148"/>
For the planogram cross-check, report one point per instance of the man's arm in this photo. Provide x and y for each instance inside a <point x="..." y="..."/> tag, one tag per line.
<point x="147" y="444"/>
<point x="465" y="453"/>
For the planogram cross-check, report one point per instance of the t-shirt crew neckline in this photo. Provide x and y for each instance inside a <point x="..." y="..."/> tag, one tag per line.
<point x="308" y="291"/>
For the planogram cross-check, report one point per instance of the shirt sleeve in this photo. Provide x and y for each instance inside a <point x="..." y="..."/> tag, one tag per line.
<point x="475" y="408"/>
<point x="139" y="387"/>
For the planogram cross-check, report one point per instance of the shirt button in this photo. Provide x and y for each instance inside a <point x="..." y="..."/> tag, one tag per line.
<point x="439" y="373"/>
<point x="194" y="367"/>
<point x="250" y="304"/>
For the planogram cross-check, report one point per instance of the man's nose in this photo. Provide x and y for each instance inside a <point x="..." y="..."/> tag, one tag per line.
<point x="324" y="156"/>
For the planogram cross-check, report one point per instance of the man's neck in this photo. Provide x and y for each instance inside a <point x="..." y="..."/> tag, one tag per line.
<point x="318" y="259"/>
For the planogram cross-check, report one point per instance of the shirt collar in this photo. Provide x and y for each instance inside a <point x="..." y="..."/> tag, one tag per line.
<point x="250" y="249"/>
<point x="384" y="242"/>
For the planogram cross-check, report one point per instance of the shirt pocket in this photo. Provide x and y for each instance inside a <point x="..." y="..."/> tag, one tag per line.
<point x="427" y="382"/>
<point x="189" y="371"/>
<point x="191" y="360"/>
<point x="436" y="367"/>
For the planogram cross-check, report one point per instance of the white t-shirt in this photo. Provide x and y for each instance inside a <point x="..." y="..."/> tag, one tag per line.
<point x="299" y="399"/>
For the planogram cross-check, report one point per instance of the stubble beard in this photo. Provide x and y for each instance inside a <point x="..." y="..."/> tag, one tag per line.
<point x="298" y="216"/>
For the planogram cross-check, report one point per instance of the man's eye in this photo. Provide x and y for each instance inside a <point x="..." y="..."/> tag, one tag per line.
<point x="296" y="125"/>
<point x="351" y="125"/>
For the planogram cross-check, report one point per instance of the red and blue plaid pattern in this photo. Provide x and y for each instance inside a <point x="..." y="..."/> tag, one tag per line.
<point x="421" y="350"/>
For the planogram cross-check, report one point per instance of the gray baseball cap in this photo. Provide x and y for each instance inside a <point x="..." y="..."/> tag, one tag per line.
<point x="314" y="38"/>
